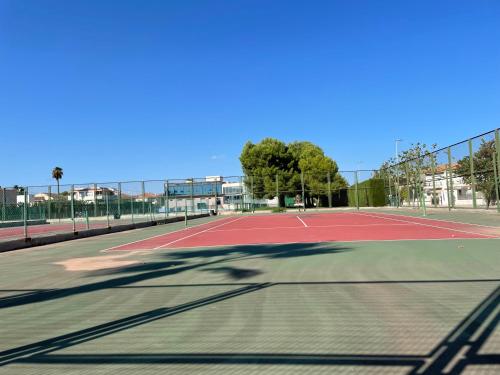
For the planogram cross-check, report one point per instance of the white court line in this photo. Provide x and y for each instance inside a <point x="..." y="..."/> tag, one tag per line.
<point x="159" y="235"/>
<point x="302" y="221"/>
<point x="442" y="220"/>
<point x="312" y="226"/>
<point x="195" y="234"/>
<point x="425" y="225"/>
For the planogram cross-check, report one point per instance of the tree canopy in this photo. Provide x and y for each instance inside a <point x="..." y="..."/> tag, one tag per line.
<point x="483" y="170"/>
<point x="272" y="160"/>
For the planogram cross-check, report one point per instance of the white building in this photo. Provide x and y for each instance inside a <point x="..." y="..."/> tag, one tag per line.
<point x="89" y="194"/>
<point x="461" y="191"/>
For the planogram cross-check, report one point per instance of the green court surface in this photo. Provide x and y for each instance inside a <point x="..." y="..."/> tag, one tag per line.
<point x="393" y="307"/>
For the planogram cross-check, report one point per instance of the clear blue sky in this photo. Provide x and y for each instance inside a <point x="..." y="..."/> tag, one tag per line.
<point x="118" y="90"/>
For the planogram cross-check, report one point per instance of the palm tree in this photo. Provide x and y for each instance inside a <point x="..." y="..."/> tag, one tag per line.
<point x="57" y="173"/>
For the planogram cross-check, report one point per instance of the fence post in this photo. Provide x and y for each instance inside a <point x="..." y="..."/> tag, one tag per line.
<point x="329" y="190"/>
<point x="277" y="190"/>
<point x="4" y="203"/>
<point x="495" y="176"/>
<point x="119" y="199"/>
<point x="473" y="177"/>
<point x="407" y="182"/>
<point x="356" y="188"/>
<point x="143" y="198"/>
<point x="433" y="169"/>
<point x="73" y="207"/>
<point x="242" y="195"/>
<point x="421" y="188"/>
<point x="303" y="190"/>
<point x="167" y="208"/>
<point x="49" y="190"/>
<point x="25" y="213"/>
<point x="192" y="195"/>
<point x="450" y="172"/>
<point x="107" y="208"/>
<point x="95" y="200"/>
<point x="497" y="148"/>
<point x="215" y="192"/>
<point x="253" y="196"/>
<point x="185" y="214"/>
<point x="390" y="190"/>
<point x="132" y="207"/>
<point x="396" y="184"/>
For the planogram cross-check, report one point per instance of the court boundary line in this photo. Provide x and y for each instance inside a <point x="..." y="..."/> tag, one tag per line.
<point x="159" y="235"/>
<point x="302" y="221"/>
<point x="194" y="234"/>
<point x="425" y="225"/>
<point x="442" y="220"/>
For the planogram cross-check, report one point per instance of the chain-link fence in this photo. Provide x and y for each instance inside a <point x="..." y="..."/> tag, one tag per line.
<point x="463" y="175"/>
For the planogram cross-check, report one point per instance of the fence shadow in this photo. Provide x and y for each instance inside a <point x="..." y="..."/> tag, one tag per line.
<point x="177" y="265"/>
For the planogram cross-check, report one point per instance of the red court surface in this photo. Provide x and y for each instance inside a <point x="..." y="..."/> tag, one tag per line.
<point x="310" y="228"/>
<point x="43" y="229"/>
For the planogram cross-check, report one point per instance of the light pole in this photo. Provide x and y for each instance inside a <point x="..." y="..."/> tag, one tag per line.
<point x="397" y="172"/>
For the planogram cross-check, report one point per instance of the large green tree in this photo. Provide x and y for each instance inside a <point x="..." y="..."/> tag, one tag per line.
<point x="272" y="160"/>
<point x="483" y="170"/>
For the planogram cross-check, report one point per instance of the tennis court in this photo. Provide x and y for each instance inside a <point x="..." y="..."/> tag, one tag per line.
<point x="369" y="291"/>
<point x="304" y="228"/>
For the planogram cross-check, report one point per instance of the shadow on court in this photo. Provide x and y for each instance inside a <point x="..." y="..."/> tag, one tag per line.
<point x="152" y="270"/>
<point x="453" y="354"/>
<point x="465" y="339"/>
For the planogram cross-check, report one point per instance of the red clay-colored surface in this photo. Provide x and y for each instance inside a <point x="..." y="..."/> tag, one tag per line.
<point x="327" y="227"/>
<point x="36" y="230"/>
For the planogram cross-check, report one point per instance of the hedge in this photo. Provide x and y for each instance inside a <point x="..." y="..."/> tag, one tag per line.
<point x="371" y="193"/>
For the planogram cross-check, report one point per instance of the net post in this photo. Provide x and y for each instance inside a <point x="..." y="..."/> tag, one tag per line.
<point x="25" y="213"/>
<point x="72" y="206"/>
<point x="450" y="172"/>
<point x="329" y="180"/>
<point x="472" y="175"/>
